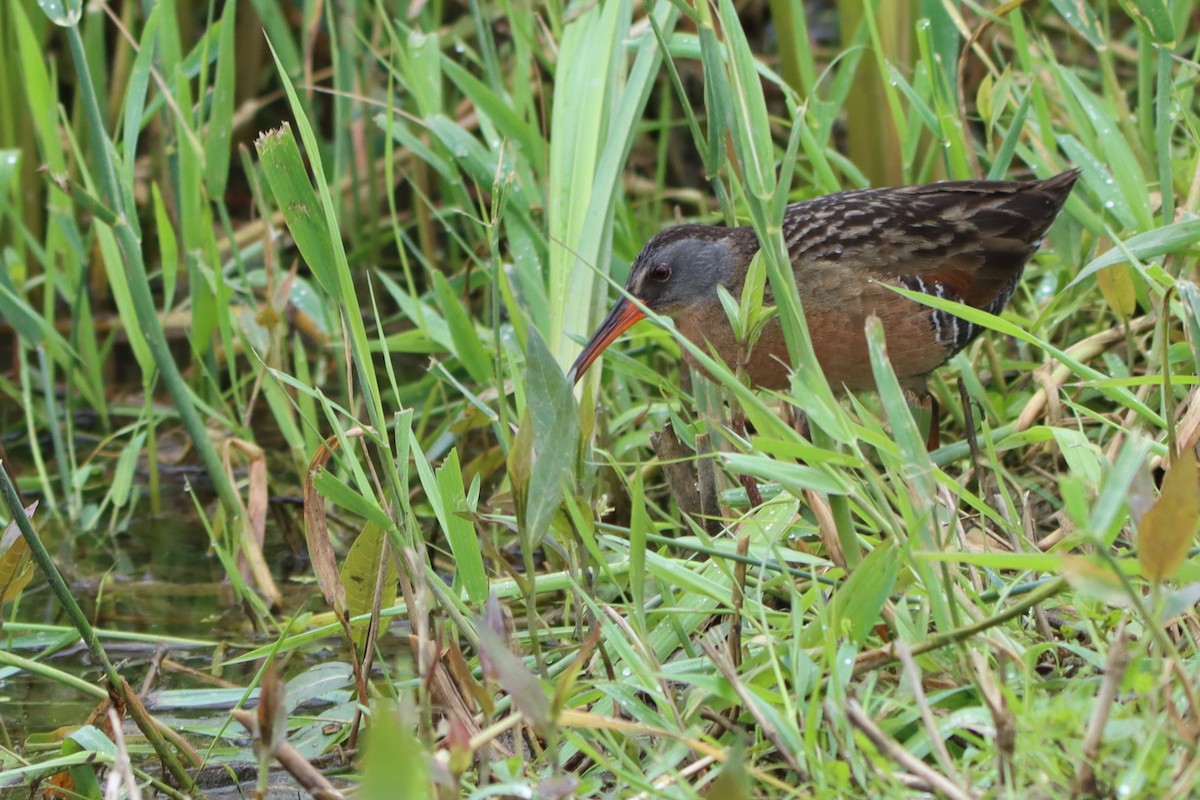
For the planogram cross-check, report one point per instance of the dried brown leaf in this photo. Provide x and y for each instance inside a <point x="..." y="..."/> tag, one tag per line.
<point x="316" y="530"/>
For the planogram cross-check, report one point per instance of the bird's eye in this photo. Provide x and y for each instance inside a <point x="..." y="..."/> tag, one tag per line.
<point x="660" y="272"/>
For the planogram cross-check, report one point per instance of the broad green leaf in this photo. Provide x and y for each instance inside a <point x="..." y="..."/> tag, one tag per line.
<point x="689" y="578"/>
<point x="100" y="749"/>
<point x="499" y="109"/>
<point x="1096" y="176"/>
<point x="422" y="64"/>
<point x="1082" y="17"/>
<point x="10" y="170"/>
<point x="64" y="13"/>
<point x="895" y="405"/>
<point x="585" y="83"/>
<point x="995" y="323"/>
<point x="329" y="682"/>
<point x="597" y="108"/>
<point x="30" y="326"/>
<point x="552" y="415"/>
<point x="479" y="163"/>
<point x="338" y="492"/>
<point x="795" y="478"/>
<point x="122" y="480"/>
<point x="1083" y="457"/>
<point x="335" y="277"/>
<point x="168" y="246"/>
<point x="460" y="530"/>
<point x="751" y="126"/>
<point x="298" y="202"/>
<point x="43" y="102"/>
<point x="136" y="93"/>
<point x="1109" y="513"/>
<point x="1151" y="244"/>
<point x="858" y="601"/>
<point x="91" y="739"/>
<point x="467" y="346"/>
<point x="1189" y="293"/>
<point x="1114" y="148"/>
<point x="1155" y="17"/>
<point x="718" y="100"/>
<point x="218" y="145"/>
<point x="395" y="765"/>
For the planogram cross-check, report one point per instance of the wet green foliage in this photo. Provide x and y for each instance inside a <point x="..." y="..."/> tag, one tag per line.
<point x="344" y="251"/>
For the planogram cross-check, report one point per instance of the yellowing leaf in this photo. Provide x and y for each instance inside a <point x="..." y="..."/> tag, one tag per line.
<point x="1116" y="285"/>
<point x="360" y="572"/>
<point x="1169" y="527"/>
<point x="16" y="562"/>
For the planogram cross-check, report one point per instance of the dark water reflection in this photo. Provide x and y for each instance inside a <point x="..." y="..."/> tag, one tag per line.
<point x="157" y="584"/>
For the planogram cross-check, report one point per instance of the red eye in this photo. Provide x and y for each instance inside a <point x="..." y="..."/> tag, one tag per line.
<point x="660" y="272"/>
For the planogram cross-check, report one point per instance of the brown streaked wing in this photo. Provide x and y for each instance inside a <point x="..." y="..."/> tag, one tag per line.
<point x="972" y="236"/>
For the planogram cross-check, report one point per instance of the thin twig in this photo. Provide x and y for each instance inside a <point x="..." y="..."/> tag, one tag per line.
<point x="1114" y="673"/>
<point x="1002" y="718"/>
<point x="751" y="704"/>
<point x="890" y="748"/>
<point x="874" y="659"/>
<point x="935" y="736"/>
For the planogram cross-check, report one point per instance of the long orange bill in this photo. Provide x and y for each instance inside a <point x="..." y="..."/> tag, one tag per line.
<point x="623" y="315"/>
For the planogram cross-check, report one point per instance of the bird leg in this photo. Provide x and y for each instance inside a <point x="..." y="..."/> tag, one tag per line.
<point x="737" y="421"/>
<point x="796" y="418"/>
<point x="690" y="478"/>
<point x="929" y="403"/>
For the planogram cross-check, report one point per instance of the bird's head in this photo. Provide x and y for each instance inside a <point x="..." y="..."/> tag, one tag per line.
<point x="677" y="272"/>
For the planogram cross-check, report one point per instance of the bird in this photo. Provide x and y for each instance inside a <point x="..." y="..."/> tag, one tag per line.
<point x="967" y="241"/>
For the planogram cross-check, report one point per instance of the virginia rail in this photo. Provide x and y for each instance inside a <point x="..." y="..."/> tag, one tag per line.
<point x="966" y="241"/>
